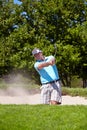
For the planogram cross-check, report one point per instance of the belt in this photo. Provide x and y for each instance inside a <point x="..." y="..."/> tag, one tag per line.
<point x="51" y="82"/>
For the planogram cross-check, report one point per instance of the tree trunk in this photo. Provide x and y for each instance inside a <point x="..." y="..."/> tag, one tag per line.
<point x="84" y="83"/>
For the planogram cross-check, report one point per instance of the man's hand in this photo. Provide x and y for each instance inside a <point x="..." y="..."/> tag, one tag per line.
<point x="51" y="62"/>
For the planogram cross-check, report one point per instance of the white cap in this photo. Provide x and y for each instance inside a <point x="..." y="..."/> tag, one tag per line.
<point x="36" y="51"/>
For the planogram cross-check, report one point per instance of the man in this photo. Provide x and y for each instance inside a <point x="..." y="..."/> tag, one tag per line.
<point x="50" y="89"/>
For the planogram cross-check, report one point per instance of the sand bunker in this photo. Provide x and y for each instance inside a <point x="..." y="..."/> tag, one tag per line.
<point x="21" y="96"/>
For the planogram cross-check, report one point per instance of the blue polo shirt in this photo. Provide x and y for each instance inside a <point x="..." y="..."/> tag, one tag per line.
<point x="47" y="74"/>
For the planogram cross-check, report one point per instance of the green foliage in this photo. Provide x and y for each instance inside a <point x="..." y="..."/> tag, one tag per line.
<point x="67" y="57"/>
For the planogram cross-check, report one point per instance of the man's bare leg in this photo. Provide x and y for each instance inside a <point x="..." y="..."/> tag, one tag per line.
<point x="54" y="102"/>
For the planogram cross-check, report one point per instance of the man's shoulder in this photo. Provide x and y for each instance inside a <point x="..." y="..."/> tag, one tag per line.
<point x="36" y="64"/>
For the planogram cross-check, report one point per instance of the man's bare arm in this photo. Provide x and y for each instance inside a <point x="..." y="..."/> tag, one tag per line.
<point x="45" y="64"/>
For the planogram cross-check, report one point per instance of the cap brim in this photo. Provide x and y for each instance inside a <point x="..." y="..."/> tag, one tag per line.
<point x="36" y="52"/>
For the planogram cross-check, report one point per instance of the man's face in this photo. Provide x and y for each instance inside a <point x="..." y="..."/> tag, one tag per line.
<point x="39" y="56"/>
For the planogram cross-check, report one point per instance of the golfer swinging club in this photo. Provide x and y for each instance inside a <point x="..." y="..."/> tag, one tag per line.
<point x="50" y="89"/>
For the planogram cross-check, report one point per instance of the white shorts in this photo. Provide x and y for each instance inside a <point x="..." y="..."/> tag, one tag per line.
<point x="51" y="91"/>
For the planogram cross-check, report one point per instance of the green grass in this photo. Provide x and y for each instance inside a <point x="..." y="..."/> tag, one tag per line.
<point x="74" y="91"/>
<point x="43" y="117"/>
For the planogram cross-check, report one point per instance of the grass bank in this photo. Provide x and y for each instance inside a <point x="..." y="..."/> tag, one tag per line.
<point x="42" y="117"/>
<point x="74" y="91"/>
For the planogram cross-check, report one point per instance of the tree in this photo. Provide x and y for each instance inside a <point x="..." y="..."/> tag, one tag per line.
<point x="5" y="29"/>
<point x="46" y="24"/>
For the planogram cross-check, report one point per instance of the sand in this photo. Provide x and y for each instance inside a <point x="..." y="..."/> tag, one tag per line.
<point x="20" y="96"/>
